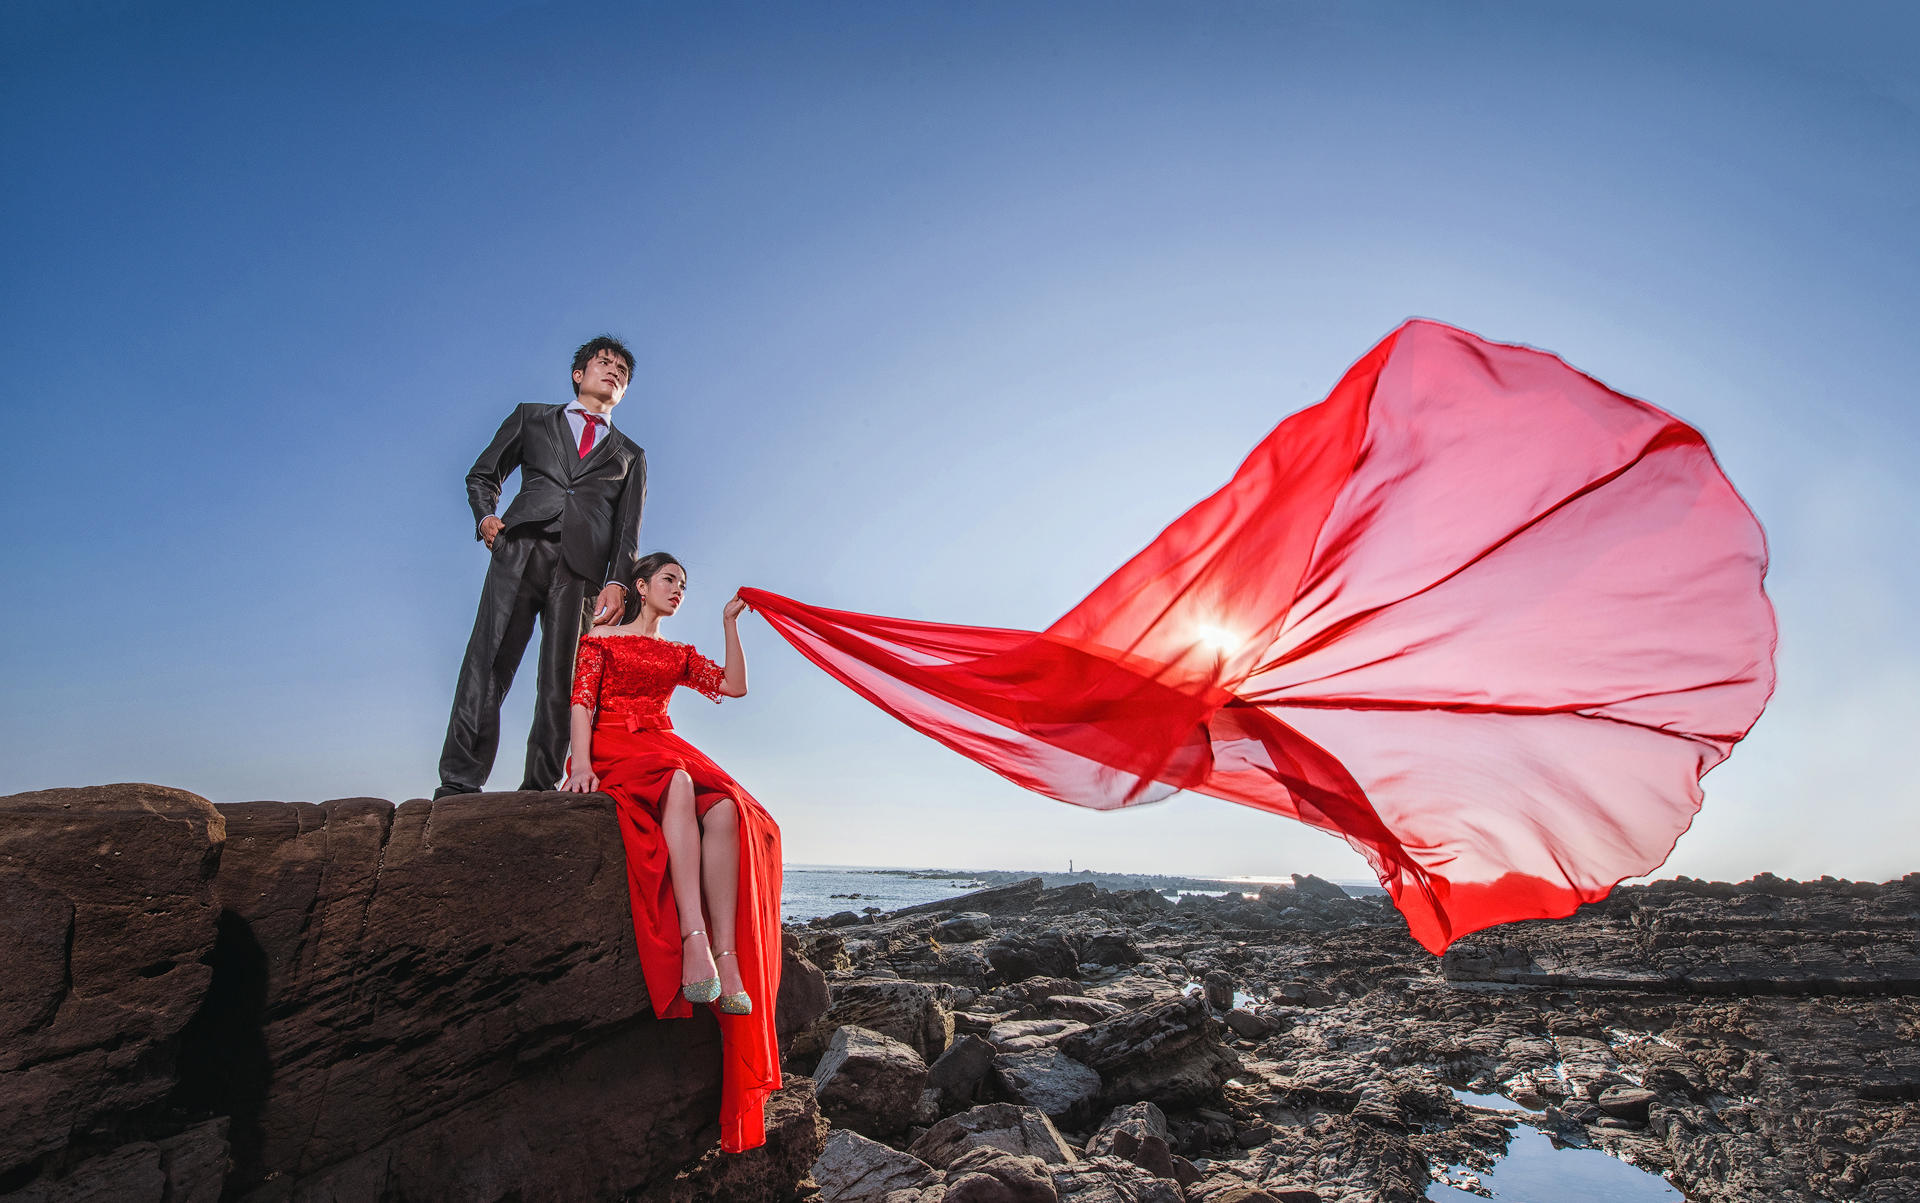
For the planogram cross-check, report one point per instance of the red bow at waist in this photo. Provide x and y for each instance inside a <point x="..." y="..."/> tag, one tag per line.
<point x="635" y="721"/>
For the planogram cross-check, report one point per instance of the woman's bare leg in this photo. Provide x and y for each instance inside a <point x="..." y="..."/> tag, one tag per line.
<point x="681" y="827"/>
<point x="720" y="873"/>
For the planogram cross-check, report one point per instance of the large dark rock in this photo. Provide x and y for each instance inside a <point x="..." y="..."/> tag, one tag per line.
<point x="989" y="1175"/>
<point x="773" y="1173"/>
<point x="1018" y="957"/>
<point x="1169" y="1053"/>
<point x="914" y="1013"/>
<point x="271" y="1000"/>
<point x="870" y="1082"/>
<point x="1110" y="948"/>
<point x="189" y="1167"/>
<point x="956" y="1078"/>
<point x="967" y="925"/>
<point x="803" y="993"/>
<point x="854" y="1169"/>
<point x="1308" y="886"/>
<point x="1135" y="1133"/>
<point x="1048" y="1080"/>
<point x="107" y="939"/>
<point x="429" y="1030"/>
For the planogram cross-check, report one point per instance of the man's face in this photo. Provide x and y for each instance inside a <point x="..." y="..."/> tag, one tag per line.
<point x="604" y="378"/>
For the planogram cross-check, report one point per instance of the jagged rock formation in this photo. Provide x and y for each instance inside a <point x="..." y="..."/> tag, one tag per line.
<point x="346" y="1000"/>
<point x="1752" y="1042"/>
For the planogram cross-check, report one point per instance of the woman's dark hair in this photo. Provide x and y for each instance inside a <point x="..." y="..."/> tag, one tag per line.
<point x="650" y="564"/>
<point x="606" y="342"/>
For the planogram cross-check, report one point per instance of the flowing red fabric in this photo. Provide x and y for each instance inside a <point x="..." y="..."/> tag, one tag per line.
<point x="1476" y="613"/>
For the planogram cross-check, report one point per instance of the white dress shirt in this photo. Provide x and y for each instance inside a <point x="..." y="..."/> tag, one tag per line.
<point x="577" y="421"/>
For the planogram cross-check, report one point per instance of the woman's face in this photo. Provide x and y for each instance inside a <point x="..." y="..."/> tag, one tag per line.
<point x="666" y="590"/>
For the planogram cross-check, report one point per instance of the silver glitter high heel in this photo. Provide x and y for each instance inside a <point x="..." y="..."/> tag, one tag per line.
<point x="706" y="989"/>
<point x="737" y="1003"/>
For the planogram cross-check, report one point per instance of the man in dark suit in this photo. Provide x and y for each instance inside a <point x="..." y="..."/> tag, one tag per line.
<point x="566" y="551"/>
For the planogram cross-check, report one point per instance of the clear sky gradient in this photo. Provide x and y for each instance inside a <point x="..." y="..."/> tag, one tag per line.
<point x="942" y="310"/>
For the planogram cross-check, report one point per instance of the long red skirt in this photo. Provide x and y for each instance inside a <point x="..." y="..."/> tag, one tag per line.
<point x="634" y="767"/>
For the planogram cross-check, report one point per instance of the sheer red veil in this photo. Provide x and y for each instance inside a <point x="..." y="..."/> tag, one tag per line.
<point x="1478" y="614"/>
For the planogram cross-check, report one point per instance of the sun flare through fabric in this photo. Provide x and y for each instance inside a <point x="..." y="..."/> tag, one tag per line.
<point x="1479" y="615"/>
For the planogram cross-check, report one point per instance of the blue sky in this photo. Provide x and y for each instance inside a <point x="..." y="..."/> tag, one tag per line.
<point x="941" y="310"/>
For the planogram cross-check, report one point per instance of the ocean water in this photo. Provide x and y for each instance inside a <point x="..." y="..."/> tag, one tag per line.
<point x="814" y="890"/>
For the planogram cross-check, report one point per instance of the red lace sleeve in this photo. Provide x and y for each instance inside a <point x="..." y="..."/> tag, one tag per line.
<point x="586" y="673"/>
<point x="704" y="675"/>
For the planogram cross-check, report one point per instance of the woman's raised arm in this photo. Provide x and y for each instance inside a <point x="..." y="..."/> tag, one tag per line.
<point x="735" y="685"/>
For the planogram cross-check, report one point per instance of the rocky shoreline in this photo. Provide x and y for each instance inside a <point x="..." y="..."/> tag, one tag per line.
<point x="349" y="1000"/>
<point x="1753" y="1041"/>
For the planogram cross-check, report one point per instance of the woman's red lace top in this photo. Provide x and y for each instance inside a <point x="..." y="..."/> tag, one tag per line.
<point x="632" y="676"/>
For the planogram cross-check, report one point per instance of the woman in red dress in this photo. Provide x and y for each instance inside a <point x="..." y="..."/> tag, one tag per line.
<point x="703" y="857"/>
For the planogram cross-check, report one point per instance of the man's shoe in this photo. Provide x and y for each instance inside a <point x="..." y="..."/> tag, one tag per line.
<point x="448" y="791"/>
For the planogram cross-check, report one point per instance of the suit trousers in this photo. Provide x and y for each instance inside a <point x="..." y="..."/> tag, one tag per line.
<point x="527" y="578"/>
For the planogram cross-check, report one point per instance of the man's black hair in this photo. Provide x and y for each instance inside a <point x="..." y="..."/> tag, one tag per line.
<point x="606" y="342"/>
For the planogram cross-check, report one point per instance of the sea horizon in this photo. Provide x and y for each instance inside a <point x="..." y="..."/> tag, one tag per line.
<point x="1239" y="879"/>
<point x="811" y="891"/>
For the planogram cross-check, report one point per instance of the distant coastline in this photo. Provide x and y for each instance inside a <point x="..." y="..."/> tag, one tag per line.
<point x="1165" y="883"/>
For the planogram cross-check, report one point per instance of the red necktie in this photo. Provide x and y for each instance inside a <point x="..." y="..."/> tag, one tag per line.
<point x="594" y="423"/>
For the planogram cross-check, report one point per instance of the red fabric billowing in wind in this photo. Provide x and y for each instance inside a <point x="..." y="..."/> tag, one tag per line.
<point x="1476" y="613"/>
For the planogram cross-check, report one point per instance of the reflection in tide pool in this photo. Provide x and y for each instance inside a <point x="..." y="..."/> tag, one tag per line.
<point x="1534" y="1171"/>
<point x="1492" y="1102"/>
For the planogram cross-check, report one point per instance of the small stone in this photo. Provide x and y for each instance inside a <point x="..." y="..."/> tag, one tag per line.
<point x="1246" y="1024"/>
<point x="1626" y="1102"/>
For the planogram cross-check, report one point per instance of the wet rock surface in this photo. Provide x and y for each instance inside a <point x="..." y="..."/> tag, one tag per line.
<point x="1758" y="1041"/>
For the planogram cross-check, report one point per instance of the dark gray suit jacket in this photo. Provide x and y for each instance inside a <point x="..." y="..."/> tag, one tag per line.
<point x="593" y="503"/>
